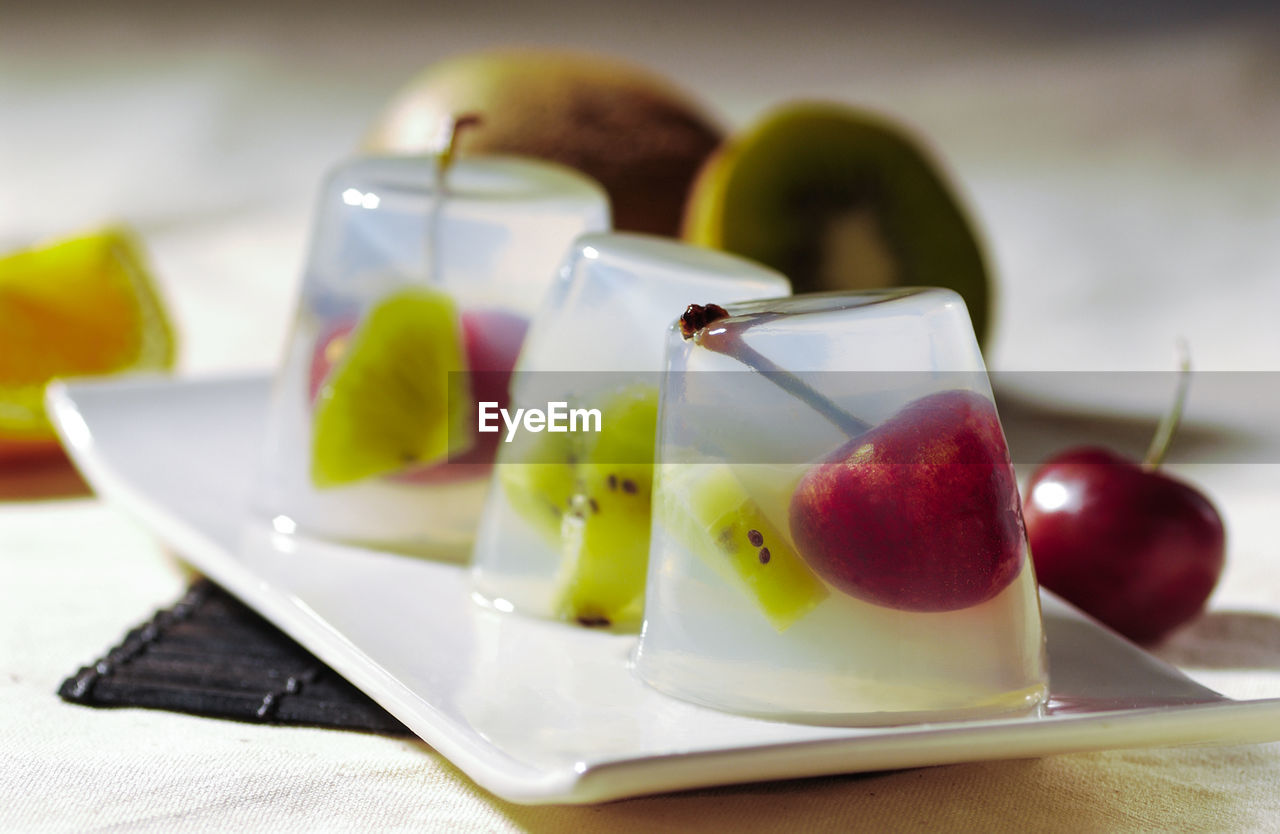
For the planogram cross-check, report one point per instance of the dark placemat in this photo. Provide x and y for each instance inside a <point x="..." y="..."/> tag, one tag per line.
<point x="209" y="654"/>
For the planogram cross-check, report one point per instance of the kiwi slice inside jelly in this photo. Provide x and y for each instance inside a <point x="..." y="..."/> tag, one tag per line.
<point x="605" y="535"/>
<point x="604" y="541"/>
<point x="538" y="475"/>
<point x="589" y="496"/>
<point x="396" y="399"/>
<point x="706" y="508"/>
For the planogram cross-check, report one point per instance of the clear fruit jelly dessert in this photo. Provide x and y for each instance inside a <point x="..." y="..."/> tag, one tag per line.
<point x="416" y="298"/>
<point x="837" y="534"/>
<point x="565" y="533"/>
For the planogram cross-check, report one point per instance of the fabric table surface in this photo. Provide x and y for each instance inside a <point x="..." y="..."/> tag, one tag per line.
<point x="1124" y="172"/>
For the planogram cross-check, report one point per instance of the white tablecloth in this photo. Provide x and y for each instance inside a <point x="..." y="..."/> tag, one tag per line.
<point x="1126" y="177"/>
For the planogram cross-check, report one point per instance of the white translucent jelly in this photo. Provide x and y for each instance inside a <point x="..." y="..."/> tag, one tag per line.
<point x="489" y="242"/>
<point x="840" y="542"/>
<point x="567" y="537"/>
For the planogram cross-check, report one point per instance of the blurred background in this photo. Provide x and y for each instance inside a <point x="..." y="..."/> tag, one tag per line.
<point x="1122" y="164"/>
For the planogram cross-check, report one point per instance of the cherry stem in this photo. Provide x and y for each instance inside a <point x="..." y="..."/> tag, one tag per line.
<point x="1168" y="424"/>
<point x="444" y="161"/>
<point x="693" y="324"/>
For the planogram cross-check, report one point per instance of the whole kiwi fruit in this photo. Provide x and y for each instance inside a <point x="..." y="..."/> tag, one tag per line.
<point x="634" y="132"/>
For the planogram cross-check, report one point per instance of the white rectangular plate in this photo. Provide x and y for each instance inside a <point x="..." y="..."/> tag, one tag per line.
<point x="537" y="711"/>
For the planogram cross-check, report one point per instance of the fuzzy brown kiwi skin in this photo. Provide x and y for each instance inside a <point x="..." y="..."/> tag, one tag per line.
<point x="631" y="130"/>
<point x="766" y="193"/>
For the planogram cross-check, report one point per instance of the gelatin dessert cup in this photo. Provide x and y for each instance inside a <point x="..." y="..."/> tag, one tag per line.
<point x="837" y="532"/>
<point x="417" y="293"/>
<point x="565" y="533"/>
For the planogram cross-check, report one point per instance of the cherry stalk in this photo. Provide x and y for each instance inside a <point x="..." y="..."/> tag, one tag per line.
<point x="444" y="161"/>
<point x="1168" y="425"/>
<point x="693" y="326"/>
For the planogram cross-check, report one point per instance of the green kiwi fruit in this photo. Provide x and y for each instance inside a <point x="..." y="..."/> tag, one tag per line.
<point x="605" y="536"/>
<point x="588" y="495"/>
<point x="838" y="198"/>
<point x="604" y="557"/>
<point x="396" y="399"/>
<point x="705" y="508"/>
<point x="538" y="474"/>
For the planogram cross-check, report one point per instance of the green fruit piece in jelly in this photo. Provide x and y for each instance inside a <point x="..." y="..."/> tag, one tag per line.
<point x="538" y="474"/>
<point x="706" y="509"/>
<point x="605" y="535"/>
<point x="399" y="397"/>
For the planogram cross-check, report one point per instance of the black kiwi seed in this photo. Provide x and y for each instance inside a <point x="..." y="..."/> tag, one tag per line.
<point x="613" y="481"/>
<point x="755" y="538"/>
<point x="595" y="508"/>
<point x="629" y="487"/>
<point x="764" y="555"/>
<point x="594" y="621"/>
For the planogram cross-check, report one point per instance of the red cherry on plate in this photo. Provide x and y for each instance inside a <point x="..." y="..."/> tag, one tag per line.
<point x="1135" y="548"/>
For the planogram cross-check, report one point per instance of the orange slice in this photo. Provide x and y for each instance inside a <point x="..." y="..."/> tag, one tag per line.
<point x="79" y="307"/>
